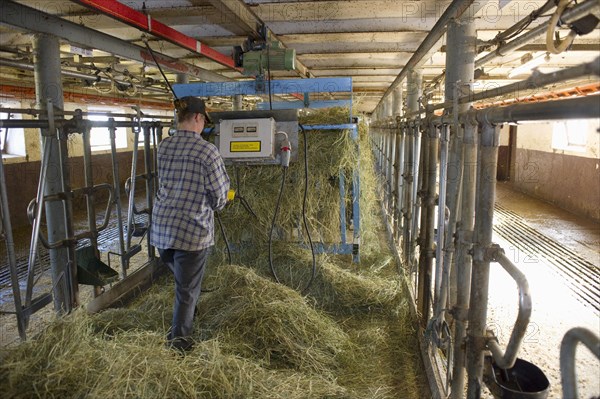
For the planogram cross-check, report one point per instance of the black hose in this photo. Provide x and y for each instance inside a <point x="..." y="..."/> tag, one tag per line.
<point x="159" y="68"/>
<point x="305" y="222"/>
<point x="224" y="236"/>
<point x="273" y="225"/>
<point x="312" y="249"/>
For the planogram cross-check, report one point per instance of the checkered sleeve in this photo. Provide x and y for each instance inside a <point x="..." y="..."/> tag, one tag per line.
<point x="217" y="184"/>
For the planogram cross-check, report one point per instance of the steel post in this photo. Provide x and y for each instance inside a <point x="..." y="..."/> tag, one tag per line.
<point x="407" y="195"/>
<point x="484" y="217"/>
<point x="48" y="86"/>
<point x="10" y="250"/>
<point x="117" y="187"/>
<point x="132" y="187"/>
<point x="427" y="247"/>
<point x="401" y="169"/>
<point x="441" y="273"/>
<point x="463" y="258"/>
<point x="397" y="101"/>
<point x="237" y="102"/>
<point x="90" y="198"/>
<point x="454" y="10"/>
<point x="414" y="90"/>
<point x="148" y="164"/>
<point x="391" y="168"/>
<point x="397" y="180"/>
<point x="416" y="206"/>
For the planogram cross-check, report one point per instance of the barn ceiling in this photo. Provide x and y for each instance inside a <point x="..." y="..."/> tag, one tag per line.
<point x="368" y="40"/>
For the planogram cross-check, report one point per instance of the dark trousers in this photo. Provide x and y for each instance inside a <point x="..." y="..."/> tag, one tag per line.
<point x="188" y="269"/>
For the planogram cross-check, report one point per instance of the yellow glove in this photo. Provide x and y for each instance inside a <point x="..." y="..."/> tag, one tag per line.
<point x="230" y="195"/>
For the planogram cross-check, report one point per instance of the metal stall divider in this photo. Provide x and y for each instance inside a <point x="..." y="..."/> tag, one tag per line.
<point x="6" y="234"/>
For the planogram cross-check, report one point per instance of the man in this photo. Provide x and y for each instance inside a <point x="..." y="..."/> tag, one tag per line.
<point x="193" y="183"/>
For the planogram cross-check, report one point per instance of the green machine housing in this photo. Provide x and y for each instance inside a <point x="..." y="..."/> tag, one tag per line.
<point x="274" y="57"/>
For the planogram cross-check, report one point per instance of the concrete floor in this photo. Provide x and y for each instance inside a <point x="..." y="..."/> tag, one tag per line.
<point x="580" y="234"/>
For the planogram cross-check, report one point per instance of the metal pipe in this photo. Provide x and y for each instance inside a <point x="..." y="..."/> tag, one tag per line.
<point x="573" y="14"/>
<point x="90" y="198"/>
<point x="414" y="87"/>
<point x="507" y="359"/>
<point x="568" y="348"/>
<point x="10" y="251"/>
<point x="48" y="86"/>
<point x="439" y="304"/>
<point x="423" y="194"/>
<point x="131" y="201"/>
<point x="462" y="47"/>
<point x="463" y="258"/>
<point x="35" y="232"/>
<point x="427" y="246"/>
<point x="238" y="103"/>
<point x="398" y="159"/>
<point x="535" y="81"/>
<point x="575" y="108"/>
<point x="29" y="19"/>
<point x="408" y="179"/>
<point x="117" y="187"/>
<point x="391" y="168"/>
<point x="33" y="111"/>
<point x="454" y="10"/>
<point x="401" y="183"/>
<point x="484" y="216"/>
<point x="79" y="75"/>
<point x="148" y="163"/>
<point x="414" y="192"/>
<point x="571" y="108"/>
<point x="44" y="124"/>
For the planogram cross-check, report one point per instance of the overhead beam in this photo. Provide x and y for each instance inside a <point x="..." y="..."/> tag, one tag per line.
<point x="146" y="23"/>
<point x="454" y="10"/>
<point x="245" y="20"/>
<point x="242" y="12"/>
<point x="32" y="20"/>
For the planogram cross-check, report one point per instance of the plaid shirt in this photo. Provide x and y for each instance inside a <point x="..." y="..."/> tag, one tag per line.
<point x="192" y="183"/>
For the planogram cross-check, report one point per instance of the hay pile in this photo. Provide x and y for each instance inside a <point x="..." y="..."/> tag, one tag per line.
<point x="350" y="337"/>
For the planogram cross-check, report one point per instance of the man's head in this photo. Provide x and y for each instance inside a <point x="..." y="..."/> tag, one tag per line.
<point x="189" y="109"/>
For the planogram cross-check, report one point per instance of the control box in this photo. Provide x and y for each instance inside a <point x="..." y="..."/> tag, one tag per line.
<point x="247" y="138"/>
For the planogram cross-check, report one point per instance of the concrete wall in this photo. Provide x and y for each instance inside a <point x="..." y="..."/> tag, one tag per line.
<point x="569" y="178"/>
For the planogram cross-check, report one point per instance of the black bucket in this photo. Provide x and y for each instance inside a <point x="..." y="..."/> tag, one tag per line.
<point x="522" y="381"/>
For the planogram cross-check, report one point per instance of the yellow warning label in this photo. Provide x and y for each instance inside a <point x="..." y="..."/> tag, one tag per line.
<point x="244" y="146"/>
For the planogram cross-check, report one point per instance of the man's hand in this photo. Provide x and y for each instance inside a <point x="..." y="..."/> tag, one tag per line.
<point x="230" y="195"/>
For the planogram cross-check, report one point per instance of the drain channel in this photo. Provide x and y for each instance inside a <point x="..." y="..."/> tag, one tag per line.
<point x="580" y="275"/>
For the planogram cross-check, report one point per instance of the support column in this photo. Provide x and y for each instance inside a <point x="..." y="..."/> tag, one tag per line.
<point x="484" y="217"/>
<point x="414" y="84"/>
<point x="460" y="61"/>
<point x="183" y="78"/>
<point x="464" y="260"/>
<point x="398" y="161"/>
<point x="48" y="86"/>
<point x="427" y="246"/>
<point x="237" y="102"/>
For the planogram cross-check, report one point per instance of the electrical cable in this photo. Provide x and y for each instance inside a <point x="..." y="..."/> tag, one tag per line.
<point x="273" y="225"/>
<point x="312" y="249"/>
<point x="304" y="220"/>
<point x="554" y="20"/>
<point x="159" y="67"/>
<point x="218" y="217"/>
<point x="269" y="76"/>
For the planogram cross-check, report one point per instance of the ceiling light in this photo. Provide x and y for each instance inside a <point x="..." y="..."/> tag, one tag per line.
<point x="528" y="63"/>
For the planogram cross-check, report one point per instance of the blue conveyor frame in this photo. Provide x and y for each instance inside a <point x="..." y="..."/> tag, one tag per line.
<point x="295" y="87"/>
